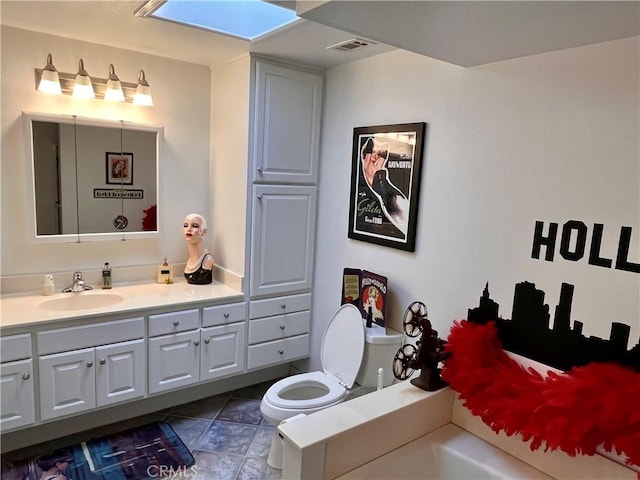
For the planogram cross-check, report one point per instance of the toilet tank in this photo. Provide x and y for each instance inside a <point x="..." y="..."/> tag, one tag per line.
<point x="380" y="348"/>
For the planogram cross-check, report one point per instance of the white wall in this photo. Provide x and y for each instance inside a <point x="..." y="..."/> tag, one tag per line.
<point x="552" y="137"/>
<point x="181" y="93"/>
<point x="229" y="154"/>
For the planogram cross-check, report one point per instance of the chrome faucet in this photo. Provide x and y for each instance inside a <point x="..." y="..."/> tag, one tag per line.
<point x="78" y="285"/>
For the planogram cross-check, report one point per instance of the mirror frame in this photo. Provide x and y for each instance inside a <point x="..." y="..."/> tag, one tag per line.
<point x="28" y="118"/>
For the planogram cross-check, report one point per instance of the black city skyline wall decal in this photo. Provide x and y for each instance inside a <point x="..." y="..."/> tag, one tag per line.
<point x="562" y="346"/>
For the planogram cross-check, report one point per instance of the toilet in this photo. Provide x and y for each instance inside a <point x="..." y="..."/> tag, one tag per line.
<point x="341" y="355"/>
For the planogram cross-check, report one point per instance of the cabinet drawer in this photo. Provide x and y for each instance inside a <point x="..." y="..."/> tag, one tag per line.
<point x="280" y="326"/>
<point x="279" y="351"/>
<point x="279" y="305"/>
<point x="15" y="347"/>
<point x="221" y="314"/>
<point x="173" y="322"/>
<point x="84" y="336"/>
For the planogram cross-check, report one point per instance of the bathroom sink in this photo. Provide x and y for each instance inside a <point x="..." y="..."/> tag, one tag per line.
<point x="81" y="301"/>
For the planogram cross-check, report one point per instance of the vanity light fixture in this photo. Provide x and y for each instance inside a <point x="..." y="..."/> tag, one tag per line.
<point x="49" y="79"/>
<point x="114" y="91"/>
<point x="81" y="85"/>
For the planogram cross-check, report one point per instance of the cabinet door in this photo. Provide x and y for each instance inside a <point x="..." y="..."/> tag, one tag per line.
<point x="174" y="360"/>
<point x="286" y="127"/>
<point x="222" y="350"/>
<point x="120" y="372"/>
<point x="67" y="383"/>
<point x="283" y="239"/>
<point x="16" y="387"/>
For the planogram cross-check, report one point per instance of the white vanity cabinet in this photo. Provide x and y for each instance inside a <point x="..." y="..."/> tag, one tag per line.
<point x="278" y="330"/>
<point x="183" y="350"/>
<point x="111" y="367"/>
<point x="283" y="200"/>
<point x="17" y="405"/>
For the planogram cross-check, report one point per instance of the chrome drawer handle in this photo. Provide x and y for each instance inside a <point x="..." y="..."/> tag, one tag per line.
<point x="89" y="364"/>
<point x="26" y="376"/>
<point x="103" y="361"/>
<point x="226" y="315"/>
<point x="283" y="305"/>
<point x="282" y="327"/>
<point x="196" y="342"/>
<point x="206" y="340"/>
<point x="280" y="352"/>
<point x="260" y="169"/>
<point x="259" y="196"/>
<point x="176" y="323"/>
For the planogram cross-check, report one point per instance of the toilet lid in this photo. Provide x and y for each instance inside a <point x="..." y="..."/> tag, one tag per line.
<point x="343" y="345"/>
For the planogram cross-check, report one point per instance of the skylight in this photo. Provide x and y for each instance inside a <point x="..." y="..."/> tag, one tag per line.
<point x="246" y="19"/>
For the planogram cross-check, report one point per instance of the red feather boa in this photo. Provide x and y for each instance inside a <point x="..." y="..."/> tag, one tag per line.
<point x="598" y="404"/>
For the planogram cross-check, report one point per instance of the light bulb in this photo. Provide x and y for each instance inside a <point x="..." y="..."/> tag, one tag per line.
<point x="143" y="91"/>
<point x="49" y="78"/>
<point x="114" y="87"/>
<point x="83" y="87"/>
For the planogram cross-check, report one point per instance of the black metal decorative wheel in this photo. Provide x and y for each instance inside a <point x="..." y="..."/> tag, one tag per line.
<point x="412" y="321"/>
<point x="402" y="360"/>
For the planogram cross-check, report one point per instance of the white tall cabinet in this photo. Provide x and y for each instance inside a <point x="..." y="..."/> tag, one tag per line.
<point x="281" y="120"/>
<point x="284" y="146"/>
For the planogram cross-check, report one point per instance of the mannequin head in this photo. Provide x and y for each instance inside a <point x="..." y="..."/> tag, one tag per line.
<point x="194" y="227"/>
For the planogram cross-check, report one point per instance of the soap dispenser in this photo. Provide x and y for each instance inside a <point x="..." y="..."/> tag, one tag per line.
<point x="106" y="276"/>
<point x="165" y="273"/>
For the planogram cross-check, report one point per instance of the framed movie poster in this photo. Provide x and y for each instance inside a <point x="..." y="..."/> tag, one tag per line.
<point x="119" y="168"/>
<point x="385" y="184"/>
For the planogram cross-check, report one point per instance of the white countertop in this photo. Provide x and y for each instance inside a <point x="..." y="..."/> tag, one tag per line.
<point x="24" y="310"/>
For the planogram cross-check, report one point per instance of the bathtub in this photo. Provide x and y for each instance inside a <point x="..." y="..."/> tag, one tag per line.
<point x="446" y="453"/>
<point x="402" y="432"/>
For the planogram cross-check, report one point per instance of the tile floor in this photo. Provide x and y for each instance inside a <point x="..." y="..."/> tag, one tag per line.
<point x="226" y="434"/>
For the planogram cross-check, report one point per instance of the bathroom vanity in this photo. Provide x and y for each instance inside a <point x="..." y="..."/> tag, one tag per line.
<point x="141" y="346"/>
<point x="77" y="360"/>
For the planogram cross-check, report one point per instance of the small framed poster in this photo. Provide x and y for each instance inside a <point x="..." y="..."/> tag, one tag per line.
<point x="385" y="184"/>
<point x="119" y="168"/>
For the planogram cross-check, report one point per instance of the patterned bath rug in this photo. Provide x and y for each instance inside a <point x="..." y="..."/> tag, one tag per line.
<point x="152" y="451"/>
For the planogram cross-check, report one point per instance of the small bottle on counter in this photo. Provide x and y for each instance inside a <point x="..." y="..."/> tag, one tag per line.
<point x="165" y="273"/>
<point x="106" y="276"/>
<point x="48" y="287"/>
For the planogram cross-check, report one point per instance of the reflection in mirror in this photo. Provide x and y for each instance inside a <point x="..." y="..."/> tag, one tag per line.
<point x="93" y="179"/>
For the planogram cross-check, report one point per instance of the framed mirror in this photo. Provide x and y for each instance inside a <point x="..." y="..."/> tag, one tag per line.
<point x="92" y="179"/>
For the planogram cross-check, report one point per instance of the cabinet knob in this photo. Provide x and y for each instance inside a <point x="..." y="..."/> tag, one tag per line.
<point x="176" y="323"/>
<point x="89" y="364"/>
<point x="259" y="196"/>
<point x="196" y="342"/>
<point x="283" y="305"/>
<point x="206" y="340"/>
<point x="260" y="169"/>
<point x="26" y="376"/>
<point x="226" y="315"/>
<point x="280" y="352"/>
<point x="281" y="327"/>
<point x="103" y="361"/>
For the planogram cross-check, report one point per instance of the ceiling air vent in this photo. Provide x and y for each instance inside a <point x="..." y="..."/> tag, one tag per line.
<point x="352" y="44"/>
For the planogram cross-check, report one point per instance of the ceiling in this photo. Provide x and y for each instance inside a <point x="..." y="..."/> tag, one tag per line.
<point x="465" y="33"/>
<point x="94" y="21"/>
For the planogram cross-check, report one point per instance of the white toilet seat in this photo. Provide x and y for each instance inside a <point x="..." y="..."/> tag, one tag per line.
<point x="335" y="392"/>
